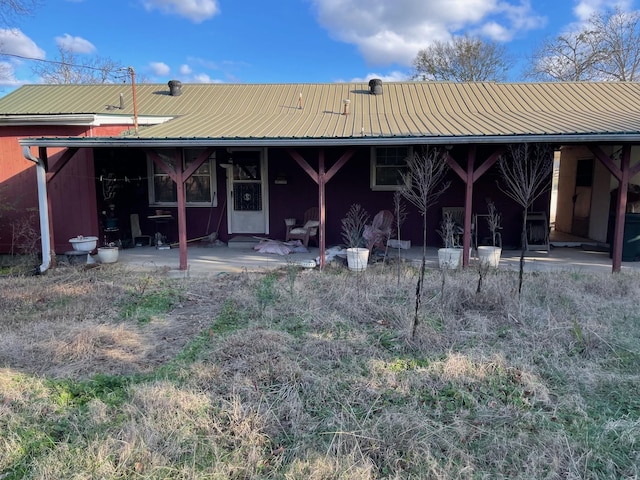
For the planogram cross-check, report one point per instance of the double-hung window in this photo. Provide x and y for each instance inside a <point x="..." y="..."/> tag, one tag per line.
<point x="388" y="164"/>
<point x="200" y="188"/>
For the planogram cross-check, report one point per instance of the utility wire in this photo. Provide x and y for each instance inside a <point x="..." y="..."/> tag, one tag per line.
<point x="57" y="62"/>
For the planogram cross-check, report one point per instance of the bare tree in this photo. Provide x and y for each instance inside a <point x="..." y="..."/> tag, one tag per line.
<point x="10" y="10"/>
<point x="619" y="38"/>
<point x="70" y="67"/>
<point x="526" y="170"/>
<point x="423" y="184"/>
<point x="570" y="57"/>
<point x="463" y="59"/>
<point x="607" y="47"/>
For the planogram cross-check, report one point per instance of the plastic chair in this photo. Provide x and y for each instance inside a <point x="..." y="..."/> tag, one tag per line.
<point x="379" y="231"/>
<point x="136" y="234"/>
<point x="308" y="230"/>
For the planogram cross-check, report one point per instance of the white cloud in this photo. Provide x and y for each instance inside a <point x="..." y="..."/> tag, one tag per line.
<point x="202" y="78"/>
<point x="395" y="76"/>
<point x="75" y="44"/>
<point x="8" y="75"/>
<point x="195" y="10"/>
<point x="160" y="68"/>
<point x="185" y="69"/>
<point x="14" y="42"/>
<point x="585" y="8"/>
<point x="388" y="32"/>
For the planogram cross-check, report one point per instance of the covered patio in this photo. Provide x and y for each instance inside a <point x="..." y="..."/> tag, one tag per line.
<point x="211" y="261"/>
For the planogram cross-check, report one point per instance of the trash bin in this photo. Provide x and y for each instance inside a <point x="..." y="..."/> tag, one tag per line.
<point x="631" y="238"/>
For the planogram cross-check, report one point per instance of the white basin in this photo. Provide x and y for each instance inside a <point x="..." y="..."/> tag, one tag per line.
<point x="83" y="244"/>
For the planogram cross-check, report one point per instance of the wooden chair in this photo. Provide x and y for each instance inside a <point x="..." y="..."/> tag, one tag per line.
<point x="308" y="230"/>
<point x="379" y="231"/>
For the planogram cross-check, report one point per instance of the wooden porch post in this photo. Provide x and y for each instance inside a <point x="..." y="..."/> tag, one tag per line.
<point x="618" y="235"/>
<point x="622" y="173"/>
<point x="321" y="178"/>
<point x="469" y="177"/>
<point x="321" y="201"/>
<point x="179" y="176"/>
<point x="468" y="205"/>
<point x="182" y="210"/>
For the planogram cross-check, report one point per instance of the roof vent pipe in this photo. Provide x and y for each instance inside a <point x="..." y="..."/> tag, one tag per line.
<point x="375" y="86"/>
<point x="175" y="88"/>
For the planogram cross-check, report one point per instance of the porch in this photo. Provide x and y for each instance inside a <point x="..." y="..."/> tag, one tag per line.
<point x="208" y="261"/>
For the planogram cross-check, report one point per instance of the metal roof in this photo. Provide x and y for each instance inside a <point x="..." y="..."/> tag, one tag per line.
<point x="315" y="113"/>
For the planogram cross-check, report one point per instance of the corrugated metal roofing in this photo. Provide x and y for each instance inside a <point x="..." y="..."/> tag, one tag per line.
<point x="405" y="109"/>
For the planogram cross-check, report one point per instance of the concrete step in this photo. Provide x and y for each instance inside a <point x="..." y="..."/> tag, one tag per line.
<point x="242" y="241"/>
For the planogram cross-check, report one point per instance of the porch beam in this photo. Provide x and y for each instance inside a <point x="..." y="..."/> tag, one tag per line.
<point x="203" y="157"/>
<point x="606" y="161"/>
<point x="164" y="166"/>
<point x="455" y="167"/>
<point x="335" y="168"/>
<point x="618" y="233"/>
<point x="488" y="163"/>
<point x="61" y="163"/>
<point x="304" y="165"/>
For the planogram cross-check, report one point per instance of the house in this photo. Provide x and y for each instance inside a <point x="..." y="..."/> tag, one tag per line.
<point x="239" y="159"/>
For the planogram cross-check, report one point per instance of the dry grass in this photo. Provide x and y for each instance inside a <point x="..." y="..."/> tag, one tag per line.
<point x="105" y="373"/>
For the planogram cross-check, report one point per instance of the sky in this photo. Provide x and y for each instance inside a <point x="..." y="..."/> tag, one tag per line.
<point x="276" y="41"/>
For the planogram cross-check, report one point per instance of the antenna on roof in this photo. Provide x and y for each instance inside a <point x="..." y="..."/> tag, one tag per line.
<point x="300" y="101"/>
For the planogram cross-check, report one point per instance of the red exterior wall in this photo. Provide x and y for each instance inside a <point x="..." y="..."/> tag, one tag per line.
<point x="71" y="192"/>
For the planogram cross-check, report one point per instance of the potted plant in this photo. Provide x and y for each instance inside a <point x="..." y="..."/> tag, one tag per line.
<point x="352" y="234"/>
<point x="449" y="256"/>
<point x="490" y="254"/>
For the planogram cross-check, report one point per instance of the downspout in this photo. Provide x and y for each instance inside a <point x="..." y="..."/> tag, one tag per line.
<point x="43" y="207"/>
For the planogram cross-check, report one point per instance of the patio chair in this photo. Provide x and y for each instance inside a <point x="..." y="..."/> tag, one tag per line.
<point x="379" y="231"/>
<point x="136" y="234"/>
<point x="308" y="230"/>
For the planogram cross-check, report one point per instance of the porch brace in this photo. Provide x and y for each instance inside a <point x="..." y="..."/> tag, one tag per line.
<point x="43" y="206"/>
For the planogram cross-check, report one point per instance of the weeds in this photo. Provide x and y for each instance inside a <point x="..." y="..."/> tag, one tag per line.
<point x="321" y="387"/>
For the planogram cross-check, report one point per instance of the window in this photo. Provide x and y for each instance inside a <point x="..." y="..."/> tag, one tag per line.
<point x="387" y="166"/>
<point x="199" y="188"/>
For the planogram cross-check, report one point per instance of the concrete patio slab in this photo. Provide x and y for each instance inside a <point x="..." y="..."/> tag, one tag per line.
<point x="214" y="260"/>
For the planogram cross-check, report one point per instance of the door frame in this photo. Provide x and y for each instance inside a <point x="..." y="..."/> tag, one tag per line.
<point x="264" y="172"/>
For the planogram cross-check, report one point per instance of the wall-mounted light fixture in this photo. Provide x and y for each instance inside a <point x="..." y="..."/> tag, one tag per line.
<point x="281" y="179"/>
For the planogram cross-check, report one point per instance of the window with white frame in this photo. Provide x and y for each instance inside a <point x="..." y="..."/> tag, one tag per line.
<point x="200" y="188"/>
<point x="387" y="166"/>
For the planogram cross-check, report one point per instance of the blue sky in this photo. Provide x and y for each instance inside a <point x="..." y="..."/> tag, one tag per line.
<point x="277" y="41"/>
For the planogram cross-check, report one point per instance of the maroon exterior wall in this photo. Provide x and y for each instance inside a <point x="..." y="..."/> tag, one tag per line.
<point x="77" y="199"/>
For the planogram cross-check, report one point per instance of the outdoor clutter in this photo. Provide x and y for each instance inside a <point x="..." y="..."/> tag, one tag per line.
<point x="278" y="247"/>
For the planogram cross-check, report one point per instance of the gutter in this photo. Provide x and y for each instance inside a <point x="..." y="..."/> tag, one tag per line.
<point x="84" y="142"/>
<point x="43" y="207"/>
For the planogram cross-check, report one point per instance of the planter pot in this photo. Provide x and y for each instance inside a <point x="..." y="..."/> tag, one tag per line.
<point x="489" y="256"/>
<point x="108" y="254"/>
<point x="449" y="257"/>
<point x="357" y="259"/>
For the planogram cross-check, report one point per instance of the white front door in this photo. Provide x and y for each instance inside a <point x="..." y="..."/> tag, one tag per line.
<point x="247" y="190"/>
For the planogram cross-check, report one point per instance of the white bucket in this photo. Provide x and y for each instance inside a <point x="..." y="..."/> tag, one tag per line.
<point x="489" y="255"/>
<point x="449" y="257"/>
<point x="108" y="254"/>
<point x="357" y="259"/>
